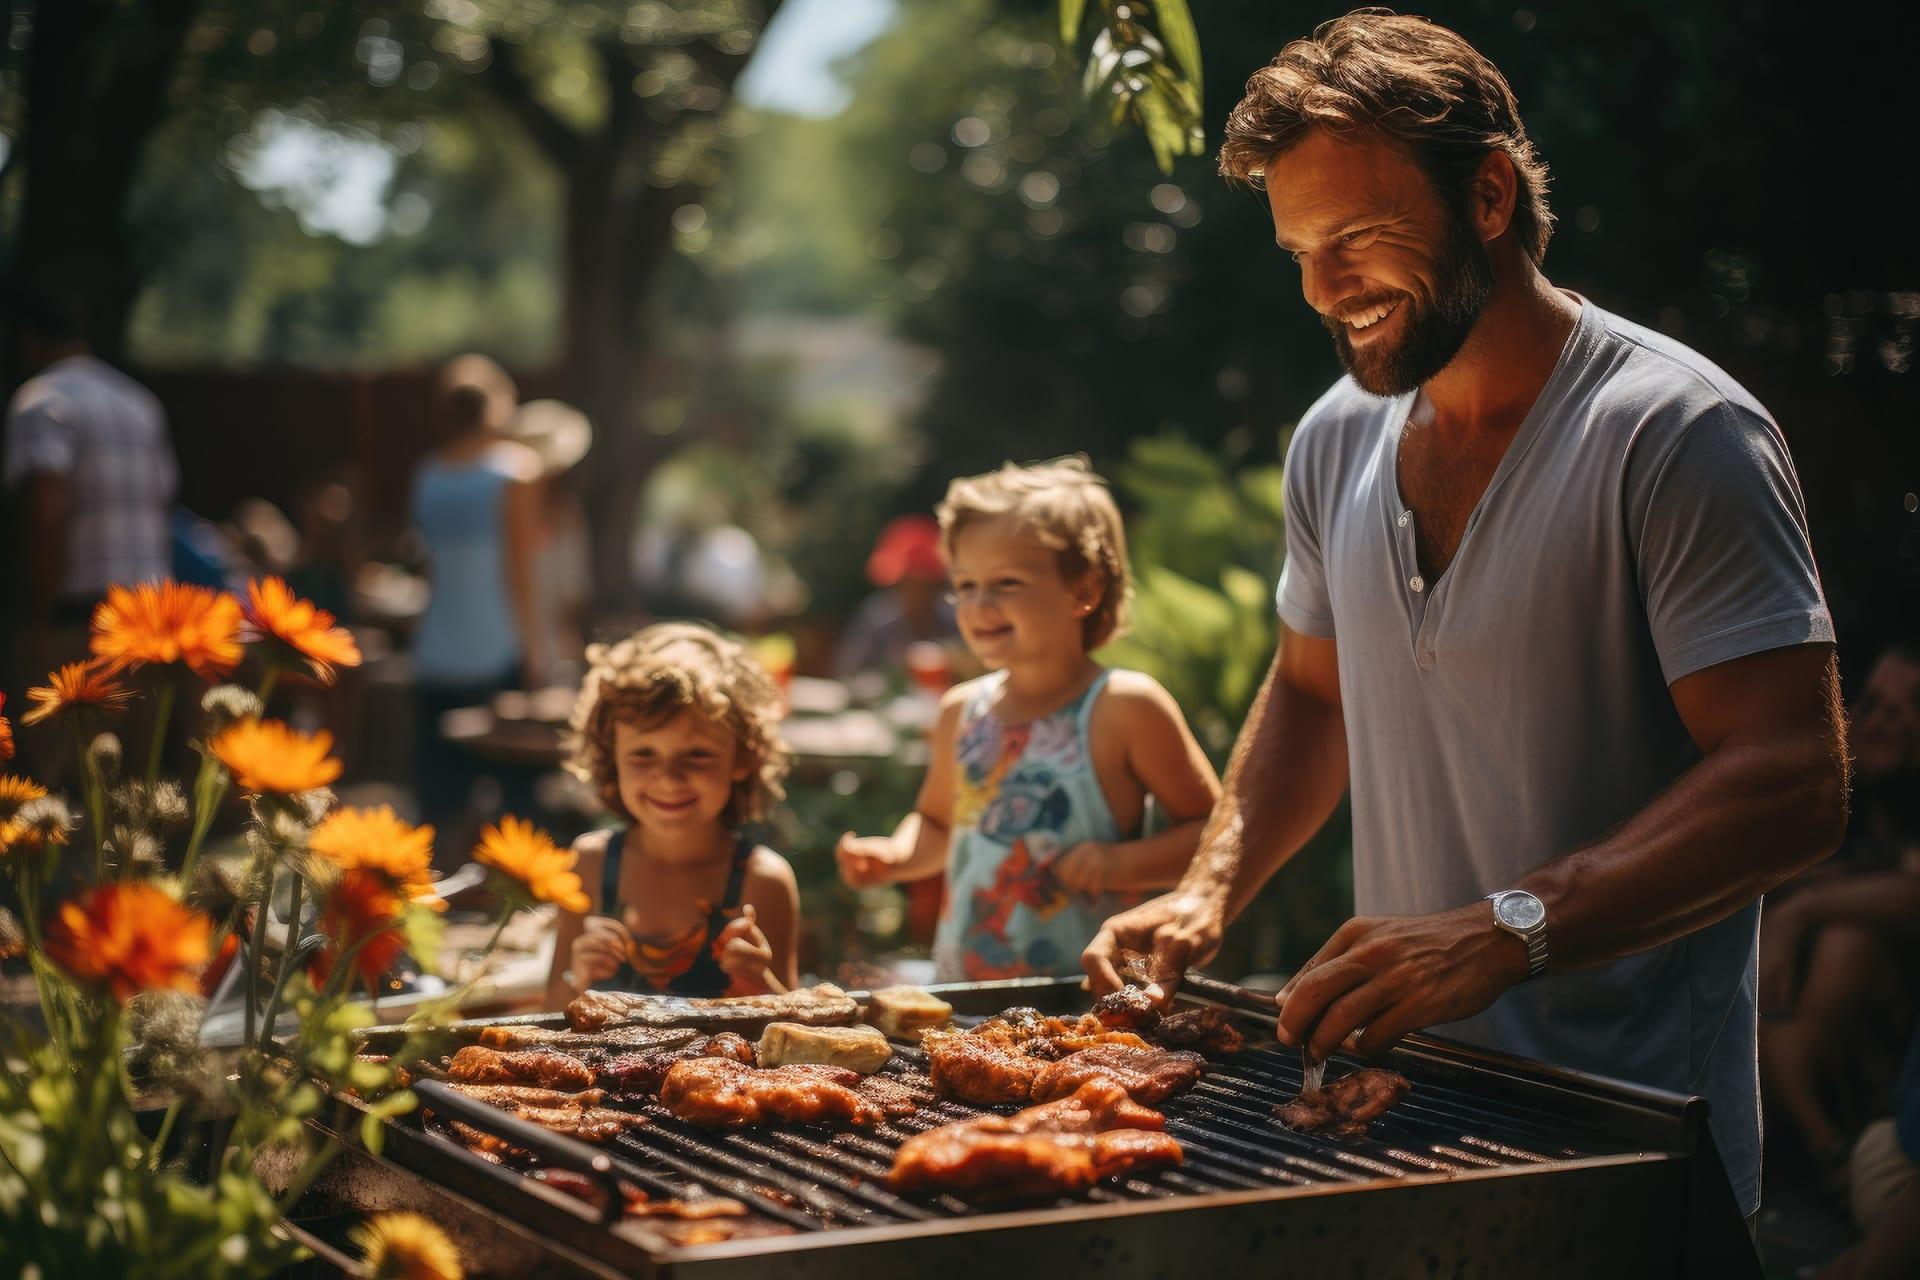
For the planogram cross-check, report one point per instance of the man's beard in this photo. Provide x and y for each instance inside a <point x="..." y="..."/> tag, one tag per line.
<point x="1436" y="327"/>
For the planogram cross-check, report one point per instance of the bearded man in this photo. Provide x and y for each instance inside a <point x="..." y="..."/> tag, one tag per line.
<point x="1549" y="610"/>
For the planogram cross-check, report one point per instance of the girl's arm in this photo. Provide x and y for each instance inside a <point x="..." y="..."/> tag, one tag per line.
<point x="1164" y="757"/>
<point x="570" y="926"/>
<point x="774" y="894"/>
<point x="918" y="846"/>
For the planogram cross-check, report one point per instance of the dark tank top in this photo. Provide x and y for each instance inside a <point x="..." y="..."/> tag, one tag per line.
<point x="688" y="964"/>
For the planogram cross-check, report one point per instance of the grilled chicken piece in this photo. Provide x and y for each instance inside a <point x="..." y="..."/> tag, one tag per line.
<point x="979" y="1069"/>
<point x="1148" y="1075"/>
<point x="1127" y="1009"/>
<point x="643" y="1072"/>
<point x="1056" y="1148"/>
<point x="1344" y="1108"/>
<point x="577" y="1115"/>
<point x="612" y="1040"/>
<point x="477" y="1064"/>
<point x="514" y="1096"/>
<point x="823" y="1006"/>
<point x="492" y="1149"/>
<point x="888" y="1093"/>
<point x="861" y="1049"/>
<point x="717" y="1093"/>
<point x="1202" y="1027"/>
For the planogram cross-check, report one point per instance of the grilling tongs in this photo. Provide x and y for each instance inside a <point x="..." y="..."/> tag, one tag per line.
<point x="1135" y="967"/>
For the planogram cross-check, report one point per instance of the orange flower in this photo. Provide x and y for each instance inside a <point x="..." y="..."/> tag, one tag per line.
<point x="74" y="687"/>
<point x="6" y="734"/>
<point x="168" y="622"/>
<point x="130" y="937"/>
<point x="407" y="1246"/>
<point x="275" y="613"/>
<point x="375" y="840"/>
<point x="15" y="793"/>
<point x="528" y="856"/>
<point x="361" y="905"/>
<point x="267" y="756"/>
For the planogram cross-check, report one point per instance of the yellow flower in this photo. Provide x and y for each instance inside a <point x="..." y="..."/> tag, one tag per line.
<point x="528" y="856"/>
<point x="75" y="687"/>
<point x="407" y="1246"/>
<point x="375" y="840"/>
<point x="267" y="756"/>
<point x="15" y="793"/>
<point x="6" y="734"/>
<point x="275" y="613"/>
<point x="168" y="622"/>
<point x="130" y="937"/>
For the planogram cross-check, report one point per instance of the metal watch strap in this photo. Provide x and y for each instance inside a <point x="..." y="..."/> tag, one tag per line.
<point x="1534" y="938"/>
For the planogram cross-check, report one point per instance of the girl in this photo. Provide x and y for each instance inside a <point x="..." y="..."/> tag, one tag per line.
<point x="676" y="728"/>
<point x="1040" y="769"/>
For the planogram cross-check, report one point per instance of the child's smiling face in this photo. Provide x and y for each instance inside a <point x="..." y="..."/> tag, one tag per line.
<point x="1010" y="599"/>
<point x="679" y="772"/>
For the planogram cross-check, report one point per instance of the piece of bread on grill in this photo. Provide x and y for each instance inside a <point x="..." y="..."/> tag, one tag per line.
<point x="902" y="1013"/>
<point x="861" y="1049"/>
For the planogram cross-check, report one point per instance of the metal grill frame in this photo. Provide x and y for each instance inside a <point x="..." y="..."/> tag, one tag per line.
<point x="1657" y="1203"/>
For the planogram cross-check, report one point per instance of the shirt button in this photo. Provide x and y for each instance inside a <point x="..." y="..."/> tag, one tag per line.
<point x="1417" y="582"/>
<point x="1405" y="518"/>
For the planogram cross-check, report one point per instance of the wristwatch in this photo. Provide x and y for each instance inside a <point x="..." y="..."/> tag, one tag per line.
<point x="1524" y="916"/>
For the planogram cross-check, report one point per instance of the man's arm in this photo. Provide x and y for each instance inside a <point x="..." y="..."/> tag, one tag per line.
<point x="1768" y="799"/>
<point x="1287" y="772"/>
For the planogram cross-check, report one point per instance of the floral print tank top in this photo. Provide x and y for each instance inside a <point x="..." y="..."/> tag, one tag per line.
<point x="1025" y="795"/>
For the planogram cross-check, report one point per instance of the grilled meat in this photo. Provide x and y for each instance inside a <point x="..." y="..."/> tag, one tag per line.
<point x="1127" y="1009"/>
<point x="718" y="1093"/>
<point x="492" y="1149"/>
<point x="577" y="1115"/>
<point x="979" y="1069"/>
<point x="823" y="1006"/>
<point x="1056" y="1148"/>
<point x="891" y="1095"/>
<point x="643" y="1072"/>
<point x="1201" y="1027"/>
<point x="510" y="1097"/>
<point x="1148" y="1075"/>
<point x="612" y="1040"/>
<point x="1344" y="1108"/>
<point x="477" y="1064"/>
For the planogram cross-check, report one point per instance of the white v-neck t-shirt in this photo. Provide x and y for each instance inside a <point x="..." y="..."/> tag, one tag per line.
<point x="1644" y="524"/>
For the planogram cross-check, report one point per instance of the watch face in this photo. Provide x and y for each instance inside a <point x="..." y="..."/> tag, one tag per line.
<point x="1520" y="910"/>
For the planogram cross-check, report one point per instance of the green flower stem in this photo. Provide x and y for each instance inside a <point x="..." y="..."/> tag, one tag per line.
<point x="159" y="1145"/>
<point x="164" y="712"/>
<point x="286" y="966"/>
<point x="258" y="959"/>
<point x="209" y="789"/>
<point x="266" y="685"/>
<point x="96" y="800"/>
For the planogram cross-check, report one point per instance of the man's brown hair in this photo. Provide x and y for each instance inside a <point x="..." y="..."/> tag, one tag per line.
<point x="1379" y="75"/>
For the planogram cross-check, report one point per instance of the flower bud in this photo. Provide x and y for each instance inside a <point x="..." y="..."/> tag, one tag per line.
<point x="225" y="703"/>
<point x="104" y="754"/>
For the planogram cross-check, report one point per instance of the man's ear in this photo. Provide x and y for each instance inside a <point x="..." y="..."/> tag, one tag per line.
<point x="1492" y="195"/>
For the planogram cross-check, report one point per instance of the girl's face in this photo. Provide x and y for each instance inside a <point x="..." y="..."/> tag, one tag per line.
<point x="1010" y="599"/>
<point x="678" y="773"/>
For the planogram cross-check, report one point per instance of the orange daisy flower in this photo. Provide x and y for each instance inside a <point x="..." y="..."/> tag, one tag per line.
<point x="76" y="686"/>
<point x="361" y="905"/>
<point x="167" y="622"/>
<point x="407" y="1246"/>
<point x="527" y="856"/>
<point x="267" y="756"/>
<point x="130" y="937"/>
<point x="15" y="793"/>
<point x="275" y="614"/>
<point x="6" y="735"/>
<point x="376" y="840"/>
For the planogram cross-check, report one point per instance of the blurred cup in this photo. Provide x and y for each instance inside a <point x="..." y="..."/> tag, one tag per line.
<point x="930" y="665"/>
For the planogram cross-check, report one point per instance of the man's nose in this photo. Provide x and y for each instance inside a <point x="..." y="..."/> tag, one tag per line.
<point x="1326" y="282"/>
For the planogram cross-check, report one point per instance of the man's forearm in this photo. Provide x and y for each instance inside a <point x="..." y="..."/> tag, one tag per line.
<point x="1739" y="822"/>
<point x="1287" y="773"/>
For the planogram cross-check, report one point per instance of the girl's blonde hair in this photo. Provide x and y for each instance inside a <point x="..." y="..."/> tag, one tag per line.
<point x="653" y="675"/>
<point x="1066" y="507"/>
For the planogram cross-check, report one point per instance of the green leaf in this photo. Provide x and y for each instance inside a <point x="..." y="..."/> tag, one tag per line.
<point x="1175" y="21"/>
<point x="1071" y="11"/>
<point x="423" y="928"/>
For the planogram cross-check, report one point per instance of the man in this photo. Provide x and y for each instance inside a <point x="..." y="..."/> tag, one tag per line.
<point x="1548" y="609"/>
<point x="89" y="462"/>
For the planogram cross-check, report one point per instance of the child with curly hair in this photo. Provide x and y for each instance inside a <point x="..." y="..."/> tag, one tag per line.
<point x="676" y="728"/>
<point x="1040" y="771"/>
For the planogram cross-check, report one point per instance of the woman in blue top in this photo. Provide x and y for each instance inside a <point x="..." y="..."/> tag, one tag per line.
<point x="474" y="503"/>
<point x="1041" y="769"/>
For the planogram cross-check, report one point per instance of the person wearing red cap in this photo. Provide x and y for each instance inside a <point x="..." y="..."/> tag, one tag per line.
<point x="909" y="606"/>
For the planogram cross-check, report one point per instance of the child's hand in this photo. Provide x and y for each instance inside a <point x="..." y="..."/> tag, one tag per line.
<point x="598" y="952"/>
<point x="744" y="953"/>
<point x="866" y="861"/>
<point x="1084" y="868"/>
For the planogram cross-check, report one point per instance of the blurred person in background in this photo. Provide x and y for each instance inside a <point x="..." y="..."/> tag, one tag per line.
<point x="1883" y="1188"/>
<point x="559" y="435"/>
<point x="332" y="529"/>
<point x="475" y="505"/>
<point x="91" y="469"/>
<point x="910" y="604"/>
<point x="1840" y="945"/>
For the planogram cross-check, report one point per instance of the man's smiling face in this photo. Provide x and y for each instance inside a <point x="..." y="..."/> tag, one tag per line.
<point x="1397" y="276"/>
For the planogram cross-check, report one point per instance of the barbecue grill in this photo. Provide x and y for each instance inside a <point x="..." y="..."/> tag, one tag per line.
<point x="1490" y="1166"/>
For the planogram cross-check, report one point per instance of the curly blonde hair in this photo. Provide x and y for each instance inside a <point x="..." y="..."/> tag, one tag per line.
<point x="653" y="675"/>
<point x="1068" y="509"/>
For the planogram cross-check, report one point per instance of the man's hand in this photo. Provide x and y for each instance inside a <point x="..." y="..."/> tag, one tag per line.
<point x="866" y="861"/>
<point x="1178" y="929"/>
<point x="1395" y="974"/>
<point x="744" y="953"/>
